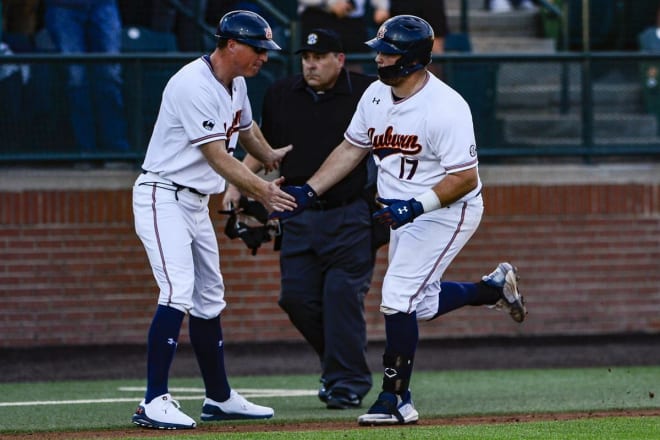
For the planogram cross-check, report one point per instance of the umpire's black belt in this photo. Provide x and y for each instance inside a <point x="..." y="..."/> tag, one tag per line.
<point x="324" y="205"/>
<point x="180" y="187"/>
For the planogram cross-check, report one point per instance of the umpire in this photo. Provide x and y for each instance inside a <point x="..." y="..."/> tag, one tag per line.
<point x="326" y="255"/>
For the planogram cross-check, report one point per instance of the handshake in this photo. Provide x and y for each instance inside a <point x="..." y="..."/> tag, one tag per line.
<point x="304" y="195"/>
<point x="394" y="214"/>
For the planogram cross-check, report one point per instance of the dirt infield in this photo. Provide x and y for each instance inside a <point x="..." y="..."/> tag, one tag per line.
<point x="116" y="362"/>
<point x="136" y="432"/>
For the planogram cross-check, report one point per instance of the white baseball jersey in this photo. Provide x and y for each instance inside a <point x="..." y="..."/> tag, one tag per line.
<point x="174" y="223"/>
<point x="417" y="141"/>
<point x="196" y="109"/>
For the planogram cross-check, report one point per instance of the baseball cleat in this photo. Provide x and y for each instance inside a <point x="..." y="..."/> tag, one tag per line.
<point x="323" y="394"/>
<point x="342" y="399"/>
<point x="162" y="412"/>
<point x="236" y="407"/>
<point x="390" y="409"/>
<point x="505" y="277"/>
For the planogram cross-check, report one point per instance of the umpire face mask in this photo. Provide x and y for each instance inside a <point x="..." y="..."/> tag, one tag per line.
<point x="252" y="236"/>
<point x="241" y="224"/>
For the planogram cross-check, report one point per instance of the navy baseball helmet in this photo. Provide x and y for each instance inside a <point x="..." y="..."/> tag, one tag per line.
<point x="406" y="35"/>
<point x="246" y="27"/>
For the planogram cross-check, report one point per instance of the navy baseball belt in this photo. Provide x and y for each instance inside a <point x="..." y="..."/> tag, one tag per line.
<point x="324" y="205"/>
<point x="179" y="187"/>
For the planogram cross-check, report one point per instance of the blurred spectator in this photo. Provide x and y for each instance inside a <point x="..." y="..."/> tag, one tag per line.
<point x="165" y="17"/>
<point x="20" y="16"/>
<point x="346" y="17"/>
<point x="649" y="41"/>
<point x="95" y="96"/>
<point x="168" y="16"/>
<point x="508" y="5"/>
<point x="649" y="38"/>
<point x="432" y="11"/>
<point x="11" y="81"/>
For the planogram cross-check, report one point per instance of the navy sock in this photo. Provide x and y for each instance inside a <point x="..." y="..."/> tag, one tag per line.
<point x="161" y="346"/>
<point x="455" y="295"/>
<point x="402" y="333"/>
<point x="206" y="339"/>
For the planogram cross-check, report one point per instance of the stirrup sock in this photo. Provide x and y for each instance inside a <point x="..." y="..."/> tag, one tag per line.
<point x="206" y="339"/>
<point x="161" y="347"/>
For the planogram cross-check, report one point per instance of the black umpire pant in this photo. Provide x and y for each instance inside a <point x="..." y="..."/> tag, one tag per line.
<point x="326" y="266"/>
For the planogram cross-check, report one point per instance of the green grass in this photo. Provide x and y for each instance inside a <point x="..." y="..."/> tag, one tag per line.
<point x="615" y="428"/>
<point x="436" y="394"/>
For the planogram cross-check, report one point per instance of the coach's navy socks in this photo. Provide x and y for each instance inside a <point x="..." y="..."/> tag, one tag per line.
<point x="206" y="339"/>
<point x="161" y="346"/>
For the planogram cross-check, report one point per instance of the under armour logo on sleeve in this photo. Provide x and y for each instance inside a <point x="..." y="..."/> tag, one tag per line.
<point x="376" y="100"/>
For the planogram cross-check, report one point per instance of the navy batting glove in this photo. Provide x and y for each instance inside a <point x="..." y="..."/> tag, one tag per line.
<point x="305" y="196"/>
<point x="397" y="212"/>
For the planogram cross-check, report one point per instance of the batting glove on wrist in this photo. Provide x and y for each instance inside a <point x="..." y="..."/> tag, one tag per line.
<point x="397" y="213"/>
<point x="304" y="195"/>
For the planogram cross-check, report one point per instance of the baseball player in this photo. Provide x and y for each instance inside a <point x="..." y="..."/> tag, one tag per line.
<point x="421" y="133"/>
<point x="204" y="111"/>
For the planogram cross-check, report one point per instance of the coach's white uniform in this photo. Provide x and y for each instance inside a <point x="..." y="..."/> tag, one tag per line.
<point x="417" y="141"/>
<point x="172" y="194"/>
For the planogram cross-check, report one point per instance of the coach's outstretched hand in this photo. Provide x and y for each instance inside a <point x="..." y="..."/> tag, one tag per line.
<point x="397" y="213"/>
<point x="304" y="195"/>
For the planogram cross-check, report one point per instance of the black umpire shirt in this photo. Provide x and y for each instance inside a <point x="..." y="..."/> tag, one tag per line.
<point x="314" y="123"/>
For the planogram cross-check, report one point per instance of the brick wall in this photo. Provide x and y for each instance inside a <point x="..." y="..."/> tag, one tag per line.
<point x="72" y="271"/>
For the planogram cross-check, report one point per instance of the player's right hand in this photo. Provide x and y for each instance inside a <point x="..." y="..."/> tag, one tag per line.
<point x="397" y="213"/>
<point x="304" y="195"/>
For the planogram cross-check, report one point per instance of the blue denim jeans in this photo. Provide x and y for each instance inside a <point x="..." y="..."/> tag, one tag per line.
<point x="95" y="95"/>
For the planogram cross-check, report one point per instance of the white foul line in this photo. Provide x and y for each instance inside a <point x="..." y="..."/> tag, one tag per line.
<point x="246" y="392"/>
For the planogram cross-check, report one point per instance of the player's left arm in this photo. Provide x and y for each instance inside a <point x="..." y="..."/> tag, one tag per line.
<point x="336" y="166"/>
<point x="456" y="185"/>
<point x="254" y="142"/>
<point x="397" y="213"/>
<point x="341" y="161"/>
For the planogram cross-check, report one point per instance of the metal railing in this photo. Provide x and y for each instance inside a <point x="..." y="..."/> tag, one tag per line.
<point x="509" y="94"/>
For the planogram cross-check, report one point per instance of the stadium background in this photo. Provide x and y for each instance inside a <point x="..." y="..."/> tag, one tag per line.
<point x="584" y="233"/>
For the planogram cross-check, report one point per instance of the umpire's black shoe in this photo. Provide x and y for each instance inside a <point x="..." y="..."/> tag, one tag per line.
<point x="343" y="399"/>
<point x="323" y="394"/>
